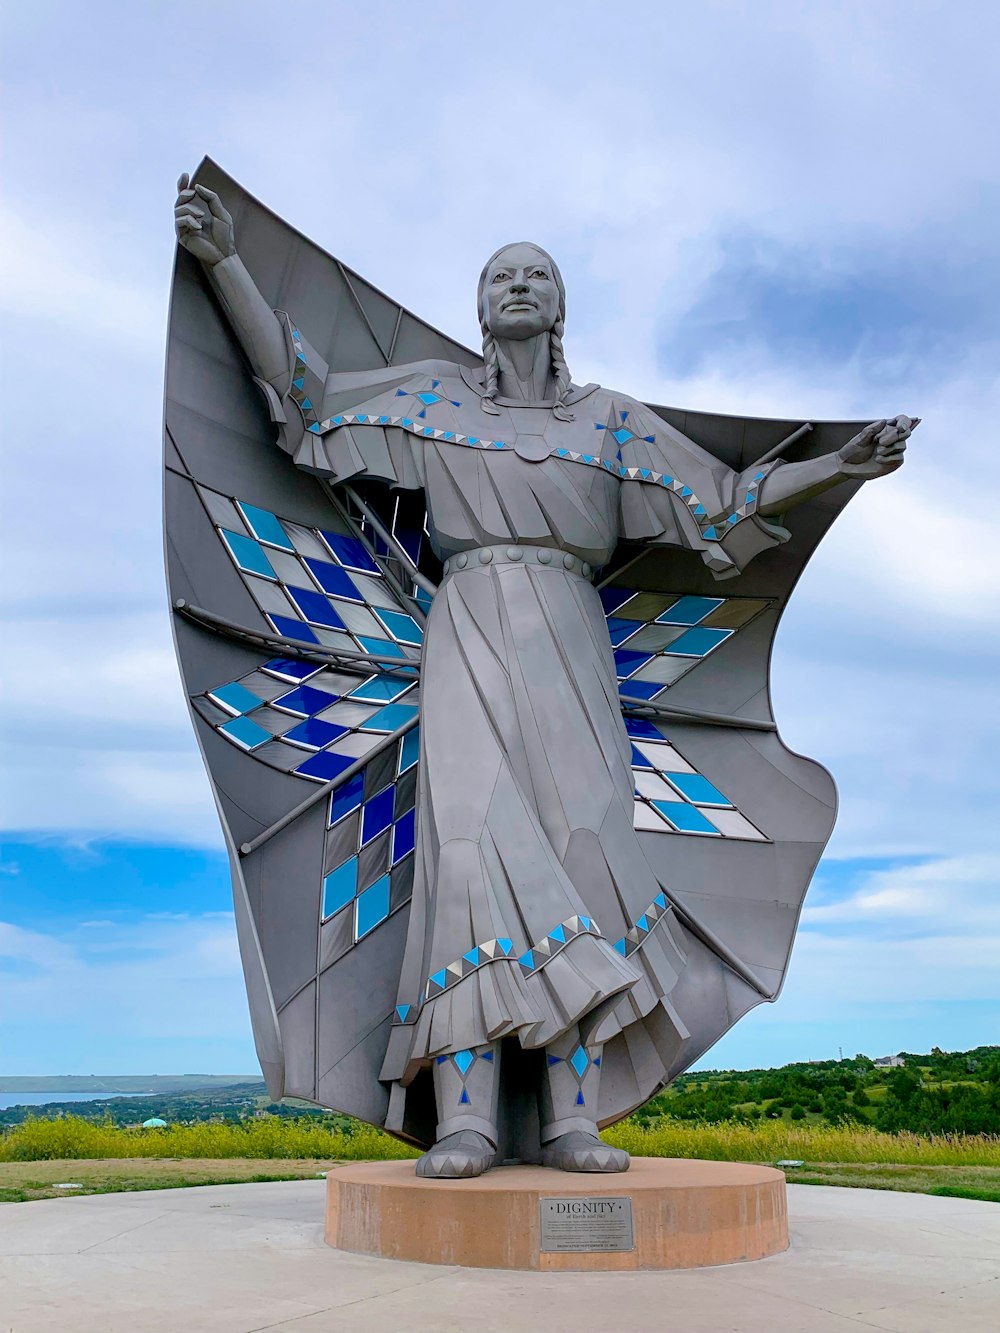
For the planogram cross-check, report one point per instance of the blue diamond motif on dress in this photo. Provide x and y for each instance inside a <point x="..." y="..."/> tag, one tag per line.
<point x="580" y="1061"/>
<point x="427" y="397"/>
<point x="464" y="1061"/>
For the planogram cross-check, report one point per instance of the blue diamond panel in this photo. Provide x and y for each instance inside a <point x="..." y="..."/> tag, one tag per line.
<point x="660" y="637"/>
<point x="371" y="836"/>
<point x="317" y="581"/>
<point x="313" y="721"/>
<point x="672" y="797"/>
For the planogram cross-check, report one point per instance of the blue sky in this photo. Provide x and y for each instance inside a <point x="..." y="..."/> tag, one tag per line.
<point x="771" y="209"/>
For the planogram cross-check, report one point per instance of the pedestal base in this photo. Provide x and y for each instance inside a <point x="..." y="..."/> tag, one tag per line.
<point x="668" y="1212"/>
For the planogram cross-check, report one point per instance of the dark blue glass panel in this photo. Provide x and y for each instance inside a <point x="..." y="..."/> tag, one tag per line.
<point x="293" y="629"/>
<point x="372" y="907"/>
<point x="349" y="551"/>
<point x="245" y="732"/>
<point x="347" y="797"/>
<point x="698" y="789"/>
<point x="620" y="630"/>
<point x="641" y="730"/>
<point x="248" y="554"/>
<point x="404" y="836"/>
<point x="689" y="610"/>
<point x="315" y="607"/>
<point x="642" y="689"/>
<point x="612" y="598"/>
<point x="626" y="662"/>
<point x="332" y="579"/>
<point x="404" y="627"/>
<point x="339" y="887"/>
<point x="305" y="700"/>
<point x="377" y="814"/>
<point x="685" y="818"/>
<point x="235" y="698"/>
<point x="639" y="760"/>
<point x="410" y="539"/>
<point x="697" y="642"/>
<point x="324" y="765"/>
<point x="287" y="668"/>
<point x="264" y="525"/>
<point x="315" y="733"/>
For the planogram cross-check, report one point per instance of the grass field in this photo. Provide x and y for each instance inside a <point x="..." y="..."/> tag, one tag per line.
<point x="39" y="1154"/>
<point x="21" y="1181"/>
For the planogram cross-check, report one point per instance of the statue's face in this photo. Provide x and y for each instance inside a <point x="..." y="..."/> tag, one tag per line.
<point x="521" y="294"/>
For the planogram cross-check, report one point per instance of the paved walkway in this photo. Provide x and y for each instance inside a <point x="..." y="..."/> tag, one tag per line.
<point x="245" y="1258"/>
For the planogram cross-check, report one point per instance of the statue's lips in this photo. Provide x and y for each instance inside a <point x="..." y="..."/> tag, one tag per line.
<point x="521" y="305"/>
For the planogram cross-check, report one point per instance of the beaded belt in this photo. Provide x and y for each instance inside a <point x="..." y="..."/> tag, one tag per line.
<point x="513" y="555"/>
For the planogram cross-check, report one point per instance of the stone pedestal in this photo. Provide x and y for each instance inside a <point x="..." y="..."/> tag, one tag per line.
<point x="662" y="1213"/>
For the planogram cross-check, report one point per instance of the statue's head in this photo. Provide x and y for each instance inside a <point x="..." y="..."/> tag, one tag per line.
<point x="522" y="294"/>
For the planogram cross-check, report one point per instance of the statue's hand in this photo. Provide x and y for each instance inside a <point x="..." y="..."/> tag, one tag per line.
<point x="878" y="449"/>
<point x="202" y="224"/>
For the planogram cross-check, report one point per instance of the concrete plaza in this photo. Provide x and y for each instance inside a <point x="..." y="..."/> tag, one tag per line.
<point x="249" y="1258"/>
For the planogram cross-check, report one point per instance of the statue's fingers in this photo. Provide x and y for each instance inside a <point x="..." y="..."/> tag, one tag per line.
<point x="188" y="211"/>
<point x="188" y="224"/>
<point x="183" y="181"/>
<point x="215" y="204"/>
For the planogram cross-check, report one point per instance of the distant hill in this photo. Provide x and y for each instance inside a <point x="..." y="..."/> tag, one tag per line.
<point x="155" y="1084"/>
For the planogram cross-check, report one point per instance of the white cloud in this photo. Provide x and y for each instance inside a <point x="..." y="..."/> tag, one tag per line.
<point x="154" y="978"/>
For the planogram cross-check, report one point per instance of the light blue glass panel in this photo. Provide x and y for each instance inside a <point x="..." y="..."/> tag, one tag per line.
<point x="372" y="907"/>
<point x="383" y="647"/>
<point x="689" y="610"/>
<point x="264" y="525"/>
<point x="685" y="818"/>
<point x="697" y="788"/>
<point x="409" y="750"/>
<point x="235" y="698"/>
<point x="248" y="554"/>
<point x="381" y="689"/>
<point x="245" y="733"/>
<point x="390" y="717"/>
<point x="339" y="887"/>
<point x="697" y="642"/>
<point x="404" y="627"/>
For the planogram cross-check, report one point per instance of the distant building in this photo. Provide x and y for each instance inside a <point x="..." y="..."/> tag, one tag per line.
<point x="889" y="1062"/>
<point x="155" y="1123"/>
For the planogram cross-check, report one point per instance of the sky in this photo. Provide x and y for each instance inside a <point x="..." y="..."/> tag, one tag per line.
<point x="767" y="208"/>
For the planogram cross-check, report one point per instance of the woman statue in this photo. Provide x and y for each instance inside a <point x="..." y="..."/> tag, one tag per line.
<point x="528" y="867"/>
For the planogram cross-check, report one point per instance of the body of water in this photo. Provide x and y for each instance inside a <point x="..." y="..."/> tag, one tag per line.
<point x="8" y="1099"/>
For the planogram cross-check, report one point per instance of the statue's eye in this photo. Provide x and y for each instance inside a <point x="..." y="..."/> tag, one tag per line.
<point x="539" y="273"/>
<point x="502" y="277"/>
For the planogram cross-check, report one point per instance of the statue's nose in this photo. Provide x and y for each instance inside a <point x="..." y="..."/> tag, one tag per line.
<point x="519" y="285"/>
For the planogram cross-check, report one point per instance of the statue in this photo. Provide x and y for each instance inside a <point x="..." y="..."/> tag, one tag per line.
<point x="509" y="925"/>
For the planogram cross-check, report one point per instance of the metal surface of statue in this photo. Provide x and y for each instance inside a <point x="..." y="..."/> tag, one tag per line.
<point x="478" y="662"/>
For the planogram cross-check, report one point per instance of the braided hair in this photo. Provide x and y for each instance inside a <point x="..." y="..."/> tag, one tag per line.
<point x="491" y="356"/>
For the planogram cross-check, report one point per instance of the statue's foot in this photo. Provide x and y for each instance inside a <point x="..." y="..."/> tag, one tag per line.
<point x="577" y="1151"/>
<point x="458" y="1155"/>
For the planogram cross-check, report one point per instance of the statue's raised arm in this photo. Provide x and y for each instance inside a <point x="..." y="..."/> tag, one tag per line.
<point x="205" y="228"/>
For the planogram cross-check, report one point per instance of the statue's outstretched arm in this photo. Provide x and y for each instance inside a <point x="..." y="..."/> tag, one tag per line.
<point x="205" y="228"/>
<point x="875" y="452"/>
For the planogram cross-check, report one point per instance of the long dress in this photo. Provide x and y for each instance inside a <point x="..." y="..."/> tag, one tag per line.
<point x="529" y="872"/>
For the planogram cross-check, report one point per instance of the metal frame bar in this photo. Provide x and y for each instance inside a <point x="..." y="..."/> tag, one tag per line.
<point x="393" y="666"/>
<point x="679" y="713"/>
<point x="322" y="792"/>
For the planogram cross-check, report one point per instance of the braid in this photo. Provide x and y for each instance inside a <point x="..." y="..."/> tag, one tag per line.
<point x="560" y="370"/>
<point x="491" y="364"/>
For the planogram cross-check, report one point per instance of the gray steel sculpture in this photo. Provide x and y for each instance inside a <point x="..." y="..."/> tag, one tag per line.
<point x="502" y="931"/>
